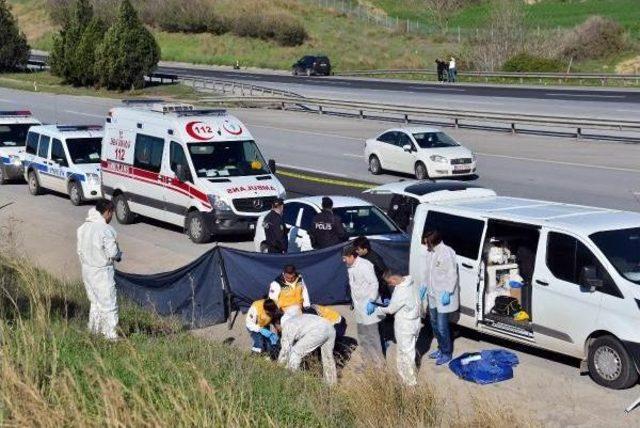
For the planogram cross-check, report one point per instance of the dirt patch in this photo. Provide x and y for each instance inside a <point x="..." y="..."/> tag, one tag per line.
<point x="629" y="66"/>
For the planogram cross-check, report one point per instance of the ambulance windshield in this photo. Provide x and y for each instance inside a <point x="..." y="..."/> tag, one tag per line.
<point x="227" y="159"/>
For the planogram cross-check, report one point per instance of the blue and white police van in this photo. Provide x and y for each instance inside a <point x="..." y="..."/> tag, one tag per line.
<point x="64" y="159"/>
<point x="14" y="126"/>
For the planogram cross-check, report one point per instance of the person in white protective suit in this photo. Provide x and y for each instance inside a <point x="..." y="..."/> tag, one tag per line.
<point x="405" y="305"/>
<point x="98" y="250"/>
<point x="441" y="287"/>
<point x="301" y="335"/>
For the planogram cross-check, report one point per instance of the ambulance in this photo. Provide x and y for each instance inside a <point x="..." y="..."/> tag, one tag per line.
<point x="199" y="169"/>
<point x="13" y="136"/>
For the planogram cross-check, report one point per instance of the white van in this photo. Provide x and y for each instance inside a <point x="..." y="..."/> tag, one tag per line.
<point x="13" y="136"/>
<point x="197" y="169"/>
<point x="579" y="267"/>
<point x="65" y="159"/>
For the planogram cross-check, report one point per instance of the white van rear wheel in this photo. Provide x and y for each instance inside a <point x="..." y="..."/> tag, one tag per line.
<point x="610" y="364"/>
<point x="197" y="228"/>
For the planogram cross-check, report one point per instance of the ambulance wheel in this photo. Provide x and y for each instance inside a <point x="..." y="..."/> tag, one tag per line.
<point x="421" y="171"/>
<point x="75" y="193"/>
<point x="374" y="165"/>
<point x="123" y="212"/>
<point x="197" y="228"/>
<point x="34" y="184"/>
<point x="610" y="364"/>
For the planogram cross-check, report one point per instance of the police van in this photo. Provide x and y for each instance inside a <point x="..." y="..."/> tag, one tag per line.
<point x="13" y="135"/>
<point x="64" y="159"/>
<point x="570" y="273"/>
<point x="195" y="168"/>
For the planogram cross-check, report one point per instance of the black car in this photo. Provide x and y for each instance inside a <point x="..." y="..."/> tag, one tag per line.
<point x="312" y="65"/>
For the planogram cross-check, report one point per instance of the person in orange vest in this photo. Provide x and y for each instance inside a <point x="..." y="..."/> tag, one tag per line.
<point x="289" y="292"/>
<point x="330" y="315"/>
<point x="261" y="315"/>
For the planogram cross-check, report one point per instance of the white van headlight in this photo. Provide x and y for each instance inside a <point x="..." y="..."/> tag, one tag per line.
<point x="15" y="160"/>
<point x="218" y="204"/>
<point x="93" y="178"/>
<point x="438" y="158"/>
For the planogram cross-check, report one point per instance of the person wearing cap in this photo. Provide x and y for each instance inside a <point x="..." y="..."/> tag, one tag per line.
<point x="327" y="229"/>
<point x="275" y="231"/>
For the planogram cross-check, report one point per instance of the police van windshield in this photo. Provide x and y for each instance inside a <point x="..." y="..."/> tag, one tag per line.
<point x="622" y="249"/>
<point x="227" y="159"/>
<point x="433" y="140"/>
<point x="84" y="150"/>
<point x="14" y="135"/>
<point x="367" y="220"/>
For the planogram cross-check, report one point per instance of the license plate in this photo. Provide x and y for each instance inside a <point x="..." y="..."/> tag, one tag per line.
<point x="461" y="168"/>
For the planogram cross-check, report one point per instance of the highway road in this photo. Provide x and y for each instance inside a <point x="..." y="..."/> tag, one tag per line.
<point x="597" y="173"/>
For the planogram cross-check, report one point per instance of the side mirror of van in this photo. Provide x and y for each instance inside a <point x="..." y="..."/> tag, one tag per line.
<point x="272" y="166"/>
<point x="589" y="278"/>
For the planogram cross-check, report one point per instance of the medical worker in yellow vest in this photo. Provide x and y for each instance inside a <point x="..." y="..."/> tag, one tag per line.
<point x="260" y="316"/>
<point x="335" y="319"/>
<point x="289" y="292"/>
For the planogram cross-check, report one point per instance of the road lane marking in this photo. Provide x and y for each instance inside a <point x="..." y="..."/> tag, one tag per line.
<point x="84" y="114"/>
<point x="430" y="88"/>
<point x="582" y="165"/>
<point x="7" y="101"/>
<point x="553" y="94"/>
<point x="323" y="180"/>
<point x="352" y="155"/>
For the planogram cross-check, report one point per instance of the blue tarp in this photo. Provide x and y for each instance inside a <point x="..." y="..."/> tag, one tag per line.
<point x="206" y="290"/>
<point x="485" y="367"/>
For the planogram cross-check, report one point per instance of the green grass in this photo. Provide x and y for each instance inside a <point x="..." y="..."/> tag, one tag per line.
<point x="45" y="82"/>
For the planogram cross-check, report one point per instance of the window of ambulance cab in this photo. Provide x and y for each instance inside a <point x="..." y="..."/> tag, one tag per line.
<point x="178" y="158"/>
<point x="622" y="249"/>
<point x="462" y="234"/>
<point x="227" y="159"/>
<point x="32" y="143"/>
<point x="567" y="259"/>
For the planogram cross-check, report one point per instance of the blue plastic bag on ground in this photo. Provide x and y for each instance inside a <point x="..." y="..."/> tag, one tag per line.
<point x="485" y="367"/>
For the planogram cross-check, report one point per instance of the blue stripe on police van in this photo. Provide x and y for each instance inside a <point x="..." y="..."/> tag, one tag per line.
<point x="76" y="176"/>
<point x="5" y="160"/>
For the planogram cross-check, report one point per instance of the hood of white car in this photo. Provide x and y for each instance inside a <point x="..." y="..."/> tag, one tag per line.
<point x="447" y="152"/>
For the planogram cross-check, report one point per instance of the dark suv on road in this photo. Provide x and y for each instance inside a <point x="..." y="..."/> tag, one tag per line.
<point x="312" y="65"/>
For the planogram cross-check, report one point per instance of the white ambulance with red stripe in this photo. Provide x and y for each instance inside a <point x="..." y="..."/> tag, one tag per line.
<point x="195" y="168"/>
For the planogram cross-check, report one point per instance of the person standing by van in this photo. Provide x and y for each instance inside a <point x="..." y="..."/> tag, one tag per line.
<point x="327" y="229"/>
<point x="275" y="231"/>
<point x="98" y="251"/>
<point x="440" y="286"/>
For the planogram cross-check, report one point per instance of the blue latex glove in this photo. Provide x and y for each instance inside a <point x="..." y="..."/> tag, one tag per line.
<point x="371" y="308"/>
<point x="423" y="293"/>
<point x="266" y="332"/>
<point x="386" y="302"/>
<point x="274" y="339"/>
<point x="445" y="298"/>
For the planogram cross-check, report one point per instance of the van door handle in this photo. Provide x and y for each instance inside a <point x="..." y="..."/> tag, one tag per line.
<point x="467" y="266"/>
<point x="543" y="283"/>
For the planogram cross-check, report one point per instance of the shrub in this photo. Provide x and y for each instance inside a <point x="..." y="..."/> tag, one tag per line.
<point x="278" y="26"/>
<point x="187" y="16"/>
<point x="14" y="50"/>
<point x="85" y="54"/>
<point x="597" y="37"/>
<point x="127" y="53"/>
<point x="64" y="56"/>
<point x="524" y="62"/>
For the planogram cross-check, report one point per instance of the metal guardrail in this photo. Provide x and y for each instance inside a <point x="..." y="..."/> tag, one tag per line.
<point x="604" y="78"/>
<point x="233" y="87"/>
<point x="456" y="118"/>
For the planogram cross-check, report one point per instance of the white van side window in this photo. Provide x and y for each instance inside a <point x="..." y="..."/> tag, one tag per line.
<point x="460" y="233"/>
<point x="43" y="148"/>
<point x="148" y="153"/>
<point x="32" y="143"/>
<point x="570" y="260"/>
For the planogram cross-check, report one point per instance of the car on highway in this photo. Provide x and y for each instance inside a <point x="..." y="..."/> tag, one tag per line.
<point x="14" y="126"/>
<point x="559" y="277"/>
<point x="312" y="65"/>
<point x="199" y="169"/>
<point x="359" y="218"/>
<point x="64" y="159"/>
<point x="420" y="151"/>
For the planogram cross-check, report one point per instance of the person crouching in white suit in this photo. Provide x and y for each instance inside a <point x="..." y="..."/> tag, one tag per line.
<point x="405" y="305"/>
<point x="98" y="250"/>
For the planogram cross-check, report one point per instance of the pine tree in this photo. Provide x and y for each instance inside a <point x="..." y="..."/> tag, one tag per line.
<point x="128" y="52"/>
<point x="14" y="50"/>
<point x="85" y="54"/>
<point x="64" y="56"/>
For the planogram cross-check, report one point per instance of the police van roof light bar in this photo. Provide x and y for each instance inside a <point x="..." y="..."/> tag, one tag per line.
<point x="69" y="128"/>
<point x="15" y="113"/>
<point x="202" y="112"/>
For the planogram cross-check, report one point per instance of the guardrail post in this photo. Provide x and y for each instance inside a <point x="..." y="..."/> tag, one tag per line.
<point x="283" y="105"/>
<point x="406" y="118"/>
<point x="578" y="133"/>
<point x="513" y="128"/>
<point x="455" y="122"/>
<point x="361" y="114"/>
<point x="320" y="110"/>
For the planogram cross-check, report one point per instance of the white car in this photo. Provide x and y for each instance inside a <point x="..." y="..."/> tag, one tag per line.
<point x="421" y="151"/>
<point x="359" y="217"/>
<point x="65" y="159"/>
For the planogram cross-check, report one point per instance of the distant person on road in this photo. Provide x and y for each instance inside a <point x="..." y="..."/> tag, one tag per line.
<point x="453" y="72"/>
<point x="98" y="251"/>
<point x="289" y="291"/>
<point x="327" y="229"/>
<point x="275" y="231"/>
<point x="262" y="314"/>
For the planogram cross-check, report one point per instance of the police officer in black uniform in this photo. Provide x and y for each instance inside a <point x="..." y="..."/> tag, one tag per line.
<point x="275" y="231"/>
<point x="327" y="229"/>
